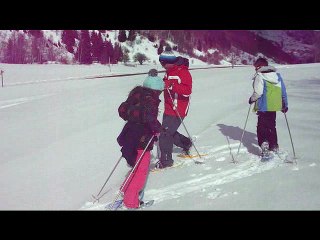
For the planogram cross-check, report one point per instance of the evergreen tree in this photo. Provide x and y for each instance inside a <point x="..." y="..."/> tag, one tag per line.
<point x="16" y="49"/>
<point x="36" y="33"/>
<point x="161" y="45"/>
<point x="199" y="46"/>
<point x="117" y="53"/>
<point x="122" y="36"/>
<point x="9" y="53"/>
<point x="151" y="37"/>
<point x="132" y="35"/>
<point x="125" y="57"/>
<point x="104" y="58"/>
<point x="107" y="53"/>
<point x="97" y="45"/>
<point x="160" y="49"/>
<point x="68" y="38"/>
<point x="51" y="47"/>
<point x="85" y="56"/>
<point x="35" y="50"/>
<point x="21" y="49"/>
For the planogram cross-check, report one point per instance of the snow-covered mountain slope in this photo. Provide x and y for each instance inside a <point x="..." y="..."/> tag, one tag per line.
<point x="295" y="45"/>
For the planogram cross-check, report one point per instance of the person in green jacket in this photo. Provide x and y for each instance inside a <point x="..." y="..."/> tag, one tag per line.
<point x="269" y="96"/>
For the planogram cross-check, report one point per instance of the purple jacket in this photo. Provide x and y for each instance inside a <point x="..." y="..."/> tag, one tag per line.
<point x="140" y="110"/>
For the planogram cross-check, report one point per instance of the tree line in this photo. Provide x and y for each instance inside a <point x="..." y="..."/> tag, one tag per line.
<point x="87" y="47"/>
<point x="31" y="46"/>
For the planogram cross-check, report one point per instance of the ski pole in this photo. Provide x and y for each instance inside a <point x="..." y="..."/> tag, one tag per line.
<point x="135" y="166"/>
<point x="183" y="123"/>
<point x="96" y="197"/>
<point x="244" y="129"/>
<point x="294" y="153"/>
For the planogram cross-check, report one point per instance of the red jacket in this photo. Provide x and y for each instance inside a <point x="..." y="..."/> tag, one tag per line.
<point x="180" y="92"/>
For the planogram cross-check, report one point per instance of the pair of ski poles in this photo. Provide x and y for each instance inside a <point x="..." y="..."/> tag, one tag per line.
<point x="294" y="153"/>
<point x="97" y="197"/>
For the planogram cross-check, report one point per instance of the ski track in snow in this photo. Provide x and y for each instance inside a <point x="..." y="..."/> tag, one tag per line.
<point x="247" y="165"/>
<point x="243" y="168"/>
<point x="18" y="101"/>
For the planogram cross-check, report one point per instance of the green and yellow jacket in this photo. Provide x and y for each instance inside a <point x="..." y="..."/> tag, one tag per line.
<point x="269" y="91"/>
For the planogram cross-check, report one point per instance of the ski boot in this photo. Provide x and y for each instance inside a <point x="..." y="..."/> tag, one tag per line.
<point x="265" y="153"/>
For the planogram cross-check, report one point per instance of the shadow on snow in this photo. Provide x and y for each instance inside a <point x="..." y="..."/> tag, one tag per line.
<point x="235" y="133"/>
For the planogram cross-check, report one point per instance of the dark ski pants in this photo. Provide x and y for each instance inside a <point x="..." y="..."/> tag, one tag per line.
<point x="266" y="129"/>
<point x="169" y="137"/>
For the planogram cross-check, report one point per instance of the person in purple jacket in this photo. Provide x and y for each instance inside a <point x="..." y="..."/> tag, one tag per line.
<point x="140" y="110"/>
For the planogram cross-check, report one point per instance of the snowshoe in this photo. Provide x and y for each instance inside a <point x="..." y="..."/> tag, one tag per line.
<point x="145" y="204"/>
<point x="265" y="153"/>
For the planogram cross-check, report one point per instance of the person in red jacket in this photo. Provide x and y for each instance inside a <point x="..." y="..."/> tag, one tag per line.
<point x="177" y="92"/>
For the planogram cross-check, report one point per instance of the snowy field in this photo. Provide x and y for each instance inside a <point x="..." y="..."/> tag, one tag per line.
<point x="59" y="128"/>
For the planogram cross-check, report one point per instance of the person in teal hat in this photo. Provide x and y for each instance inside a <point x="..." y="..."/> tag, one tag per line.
<point x="140" y="111"/>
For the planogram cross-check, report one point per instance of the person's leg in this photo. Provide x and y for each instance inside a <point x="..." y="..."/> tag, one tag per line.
<point x="141" y="193"/>
<point x="166" y="139"/>
<point x="271" y="125"/>
<point x="137" y="181"/>
<point x="181" y="141"/>
<point x="262" y="130"/>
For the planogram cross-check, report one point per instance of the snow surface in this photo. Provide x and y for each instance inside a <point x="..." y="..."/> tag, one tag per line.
<point x="59" y="141"/>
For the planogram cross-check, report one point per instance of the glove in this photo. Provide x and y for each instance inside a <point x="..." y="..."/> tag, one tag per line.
<point x="156" y="138"/>
<point x="156" y="134"/>
<point x="284" y="107"/>
<point x="250" y="101"/>
<point x="284" y="110"/>
<point x="162" y="130"/>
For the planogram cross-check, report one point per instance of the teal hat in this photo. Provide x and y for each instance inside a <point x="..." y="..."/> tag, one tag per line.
<point x="153" y="81"/>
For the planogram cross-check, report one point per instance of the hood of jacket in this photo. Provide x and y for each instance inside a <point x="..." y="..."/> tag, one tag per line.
<point x="182" y="61"/>
<point x="176" y="68"/>
<point x="269" y="74"/>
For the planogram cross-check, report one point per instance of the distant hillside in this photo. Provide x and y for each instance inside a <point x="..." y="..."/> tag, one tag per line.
<point x="144" y="46"/>
<point x="297" y="43"/>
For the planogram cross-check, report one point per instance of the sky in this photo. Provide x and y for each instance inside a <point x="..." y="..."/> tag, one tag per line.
<point x="59" y="130"/>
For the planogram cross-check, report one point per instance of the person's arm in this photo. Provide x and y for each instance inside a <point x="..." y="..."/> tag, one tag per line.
<point x="257" y="88"/>
<point x="284" y="97"/>
<point x="183" y="83"/>
<point x="151" y="116"/>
